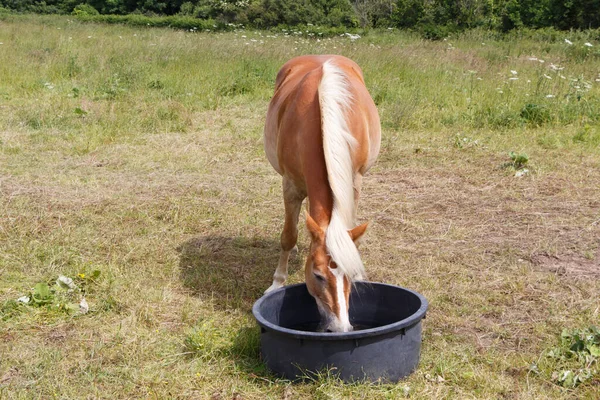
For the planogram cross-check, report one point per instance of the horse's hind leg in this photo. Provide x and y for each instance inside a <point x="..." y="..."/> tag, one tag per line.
<point x="358" y="178"/>
<point x="292" y="199"/>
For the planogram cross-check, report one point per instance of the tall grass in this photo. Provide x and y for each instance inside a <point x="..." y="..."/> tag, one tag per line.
<point x="121" y="80"/>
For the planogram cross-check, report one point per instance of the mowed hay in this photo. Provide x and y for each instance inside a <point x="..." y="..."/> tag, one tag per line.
<point x="138" y="153"/>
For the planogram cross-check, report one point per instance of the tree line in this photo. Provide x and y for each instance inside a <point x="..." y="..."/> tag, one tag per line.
<point x="434" y="16"/>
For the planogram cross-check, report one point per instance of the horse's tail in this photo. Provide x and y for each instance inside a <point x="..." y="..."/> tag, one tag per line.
<point x="335" y="100"/>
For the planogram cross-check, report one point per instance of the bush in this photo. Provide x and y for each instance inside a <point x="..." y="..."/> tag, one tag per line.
<point x="434" y="32"/>
<point x="176" y="22"/>
<point x="84" y="9"/>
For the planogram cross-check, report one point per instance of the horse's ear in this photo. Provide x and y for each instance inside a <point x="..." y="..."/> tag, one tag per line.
<point x="314" y="229"/>
<point x="357" y="232"/>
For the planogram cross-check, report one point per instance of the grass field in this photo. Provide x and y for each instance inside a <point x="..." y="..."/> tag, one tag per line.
<point x="131" y="160"/>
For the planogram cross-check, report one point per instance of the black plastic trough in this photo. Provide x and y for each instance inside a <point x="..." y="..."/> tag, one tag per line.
<point x="387" y="350"/>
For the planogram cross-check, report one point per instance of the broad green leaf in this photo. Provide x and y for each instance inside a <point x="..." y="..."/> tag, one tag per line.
<point x="594" y="350"/>
<point x="41" y="294"/>
<point x="567" y="378"/>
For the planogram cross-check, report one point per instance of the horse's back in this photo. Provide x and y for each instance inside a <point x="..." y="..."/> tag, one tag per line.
<point x="293" y="126"/>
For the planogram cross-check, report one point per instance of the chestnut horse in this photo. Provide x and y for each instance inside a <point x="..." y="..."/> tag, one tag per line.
<point x="322" y="134"/>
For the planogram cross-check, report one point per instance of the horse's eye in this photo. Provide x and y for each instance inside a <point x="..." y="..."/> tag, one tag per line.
<point x="319" y="277"/>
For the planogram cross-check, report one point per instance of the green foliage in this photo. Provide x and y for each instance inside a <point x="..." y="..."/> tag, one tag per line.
<point x="408" y="13"/>
<point x="575" y="360"/>
<point x="42" y="295"/>
<point x="85" y="9"/>
<point x="176" y="22"/>
<point x="434" y="19"/>
<point x="518" y="160"/>
<point x="535" y="114"/>
<point x="63" y="295"/>
<point x="511" y="16"/>
<point x="434" y="32"/>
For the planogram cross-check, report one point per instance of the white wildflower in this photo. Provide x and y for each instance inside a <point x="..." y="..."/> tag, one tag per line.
<point x="512" y="71"/>
<point x="522" y="172"/>
<point x="23" y="299"/>
<point x="513" y="79"/>
<point x="547" y="77"/>
<point x="533" y="59"/>
<point x="549" y="96"/>
<point x="588" y="44"/>
<point x="541" y="61"/>
<point x="567" y="41"/>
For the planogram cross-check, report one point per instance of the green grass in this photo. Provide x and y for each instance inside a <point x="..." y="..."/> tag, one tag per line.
<point x="137" y="152"/>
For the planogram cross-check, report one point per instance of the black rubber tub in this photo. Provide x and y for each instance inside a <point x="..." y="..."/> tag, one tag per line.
<point x="386" y="348"/>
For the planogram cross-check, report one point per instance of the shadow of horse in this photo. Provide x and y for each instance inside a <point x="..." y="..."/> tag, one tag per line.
<point x="232" y="271"/>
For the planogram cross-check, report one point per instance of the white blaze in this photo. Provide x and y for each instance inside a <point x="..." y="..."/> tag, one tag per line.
<point x="343" y="321"/>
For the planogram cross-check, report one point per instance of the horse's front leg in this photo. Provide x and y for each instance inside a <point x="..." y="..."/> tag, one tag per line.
<point x="292" y="199"/>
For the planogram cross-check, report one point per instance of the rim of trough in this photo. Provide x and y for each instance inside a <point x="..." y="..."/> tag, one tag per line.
<point x="380" y="330"/>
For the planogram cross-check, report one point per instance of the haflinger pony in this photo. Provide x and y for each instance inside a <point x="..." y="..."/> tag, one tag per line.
<point x="321" y="135"/>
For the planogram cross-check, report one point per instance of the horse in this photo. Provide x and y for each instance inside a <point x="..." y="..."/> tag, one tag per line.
<point x="322" y="134"/>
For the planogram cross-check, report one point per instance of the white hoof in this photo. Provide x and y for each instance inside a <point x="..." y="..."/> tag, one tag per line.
<point x="273" y="287"/>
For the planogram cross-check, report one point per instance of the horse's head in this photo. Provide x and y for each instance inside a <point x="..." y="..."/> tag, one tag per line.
<point x="326" y="282"/>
